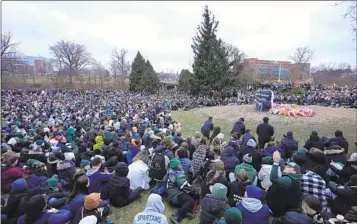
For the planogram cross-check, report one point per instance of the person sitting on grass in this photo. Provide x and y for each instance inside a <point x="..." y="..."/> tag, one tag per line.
<point x="231" y="216"/>
<point x="98" y="181"/>
<point x="237" y="188"/>
<point x="153" y="213"/>
<point x="120" y="193"/>
<point x="246" y="165"/>
<point x="213" y="205"/>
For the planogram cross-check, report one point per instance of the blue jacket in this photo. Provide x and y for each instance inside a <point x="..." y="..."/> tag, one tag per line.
<point x="229" y="158"/>
<point x="61" y="217"/>
<point x="238" y="127"/>
<point x="186" y="164"/>
<point x="253" y="211"/>
<point x="294" y="217"/>
<point x="37" y="181"/>
<point x="207" y="127"/>
<point x="76" y="203"/>
<point x="97" y="180"/>
<point x="288" y="146"/>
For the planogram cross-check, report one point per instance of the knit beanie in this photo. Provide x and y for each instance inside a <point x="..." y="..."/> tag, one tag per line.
<point x="31" y="162"/>
<point x="122" y="169"/>
<point x="91" y="219"/>
<point x="302" y="151"/>
<point x="295" y="166"/>
<point x="251" y="143"/>
<point x="19" y="185"/>
<point x="84" y="163"/>
<point x="233" y="216"/>
<point x="268" y="160"/>
<point x="248" y="158"/>
<point x="254" y="192"/>
<point x="353" y="179"/>
<point x="314" y="133"/>
<point x="52" y="182"/>
<point x="174" y="163"/>
<point x="40" y="142"/>
<point x="218" y="190"/>
<point x="91" y="201"/>
<point x="59" y="155"/>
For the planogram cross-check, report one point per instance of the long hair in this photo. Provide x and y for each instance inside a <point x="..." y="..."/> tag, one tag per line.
<point x="143" y="156"/>
<point x="80" y="187"/>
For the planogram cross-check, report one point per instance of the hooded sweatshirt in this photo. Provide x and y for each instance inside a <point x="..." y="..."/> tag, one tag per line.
<point x="99" y="143"/>
<point x="253" y="211"/>
<point x="251" y="172"/>
<point x="153" y="213"/>
<point x="97" y="180"/>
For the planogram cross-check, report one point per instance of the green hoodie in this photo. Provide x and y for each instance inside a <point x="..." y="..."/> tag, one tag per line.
<point x="251" y="172"/>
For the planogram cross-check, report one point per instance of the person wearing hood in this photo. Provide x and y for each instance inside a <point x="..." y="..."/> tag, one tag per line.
<point x="264" y="172"/>
<point x="230" y="159"/>
<point x="35" y="212"/>
<point x="98" y="181"/>
<point x="120" y="193"/>
<point x="10" y="171"/>
<point x="265" y="132"/>
<point x="346" y="196"/>
<point x="239" y="126"/>
<point x="247" y="166"/>
<point x="300" y="158"/>
<point x="253" y="211"/>
<point x="246" y="137"/>
<point x="153" y="213"/>
<point x="336" y="154"/>
<point x="65" y="169"/>
<point x="285" y="191"/>
<point x="237" y="188"/>
<point x="314" y="142"/>
<point x="213" y="205"/>
<point x="184" y="160"/>
<point x="99" y="142"/>
<point x="251" y="149"/>
<point x="339" y="140"/>
<point x="288" y="145"/>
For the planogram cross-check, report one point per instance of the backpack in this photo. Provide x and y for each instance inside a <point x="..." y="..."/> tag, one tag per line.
<point x="158" y="166"/>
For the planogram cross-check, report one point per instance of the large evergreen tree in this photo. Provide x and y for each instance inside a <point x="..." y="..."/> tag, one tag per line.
<point x="143" y="77"/>
<point x="185" y="80"/>
<point x="211" y="64"/>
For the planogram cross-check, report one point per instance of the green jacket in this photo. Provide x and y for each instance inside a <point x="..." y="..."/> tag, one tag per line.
<point x="251" y="172"/>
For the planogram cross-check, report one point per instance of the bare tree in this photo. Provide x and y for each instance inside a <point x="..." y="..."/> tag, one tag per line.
<point x="99" y="72"/>
<point x="70" y="55"/>
<point x="350" y="13"/>
<point x="9" y="52"/>
<point x="119" y="64"/>
<point x="301" y="57"/>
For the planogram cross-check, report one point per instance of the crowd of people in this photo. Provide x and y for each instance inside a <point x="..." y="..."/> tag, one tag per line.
<point x="70" y="156"/>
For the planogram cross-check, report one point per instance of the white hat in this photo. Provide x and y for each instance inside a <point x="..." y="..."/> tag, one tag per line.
<point x="91" y="219"/>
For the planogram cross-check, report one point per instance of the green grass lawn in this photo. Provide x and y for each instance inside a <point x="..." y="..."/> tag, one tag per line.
<point x="192" y="121"/>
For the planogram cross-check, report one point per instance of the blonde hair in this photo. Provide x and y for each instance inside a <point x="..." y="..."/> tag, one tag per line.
<point x="143" y="156"/>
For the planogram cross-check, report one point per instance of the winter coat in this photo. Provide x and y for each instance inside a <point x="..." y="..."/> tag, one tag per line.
<point x="119" y="189"/>
<point x="197" y="158"/>
<point x="246" y="137"/>
<point x="265" y="131"/>
<point x="288" y="147"/>
<point x="256" y="156"/>
<point x="253" y="211"/>
<point x="229" y="158"/>
<point x="82" y="213"/>
<point x="344" y="174"/>
<point x="37" y="181"/>
<point x="8" y="175"/>
<point x="206" y="185"/>
<point x="207" y="128"/>
<point x="15" y="203"/>
<point x="345" y="200"/>
<point x="76" y="203"/>
<point x="295" y="217"/>
<point x="61" y="217"/>
<point x="270" y="151"/>
<point x="132" y="151"/>
<point x="98" y="181"/>
<point x="186" y="165"/>
<point x="99" y="143"/>
<point x="340" y="141"/>
<point x="336" y="153"/>
<point x="163" y="149"/>
<point x="236" y="191"/>
<point x="264" y="176"/>
<point x="315" y="142"/>
<point x="139" y="175"/>
<point x="238" y="127"/>
<point x="212" y="208"/>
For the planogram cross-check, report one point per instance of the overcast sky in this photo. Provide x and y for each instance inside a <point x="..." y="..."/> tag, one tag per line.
<point x="163" y="31"/>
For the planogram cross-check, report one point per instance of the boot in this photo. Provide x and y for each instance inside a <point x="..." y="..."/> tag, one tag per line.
<point x="175" y="219"/>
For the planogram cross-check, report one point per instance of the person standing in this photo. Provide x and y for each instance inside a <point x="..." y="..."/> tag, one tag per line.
<point x="265" y="132"/>
<point x="207" y="127"/>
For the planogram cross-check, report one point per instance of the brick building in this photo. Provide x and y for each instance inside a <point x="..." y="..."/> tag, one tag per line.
<point x="40" y="66"/>
<point x="272" y="70"/>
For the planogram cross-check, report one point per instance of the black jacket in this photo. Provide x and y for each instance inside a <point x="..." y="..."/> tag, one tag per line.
<point x="236" y="191"/>
<point x="314" y="142"/>
<point x="344" y="174"/>
<point x="265" y="131"/>
<point x="340" y="141"/>
<point x="346" y="198"/>
<point x="238" y="127"/>
<point x="119" y="188"/>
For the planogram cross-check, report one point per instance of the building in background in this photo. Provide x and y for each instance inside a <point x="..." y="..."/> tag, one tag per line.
<point x="40" y="66"/>
<point x="273" y="70"/>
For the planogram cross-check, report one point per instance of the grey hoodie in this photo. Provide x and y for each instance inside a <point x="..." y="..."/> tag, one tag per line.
<point x="153" y="213"/>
